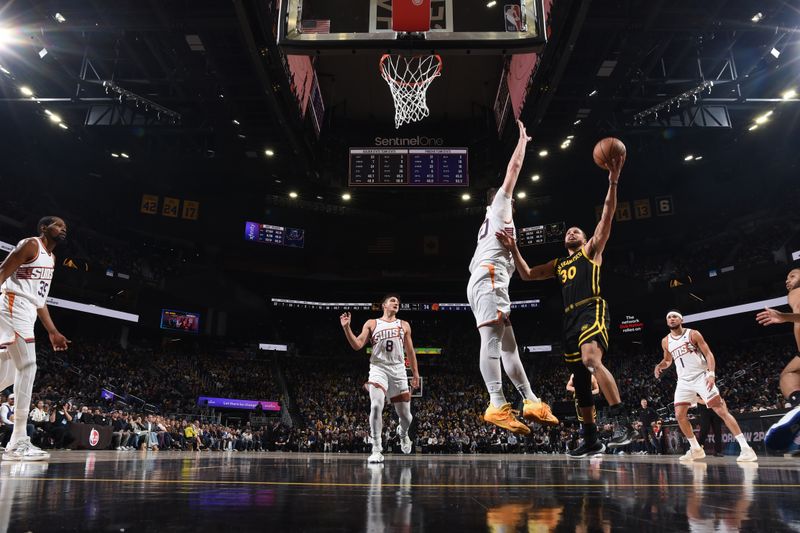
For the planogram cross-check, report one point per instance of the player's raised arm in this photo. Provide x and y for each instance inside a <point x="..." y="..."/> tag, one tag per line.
<point x="536" y="273"/>
<point x="515" y="164"/>
<point x="602" y="232"/>
<point x="665" y="362"/>
<point x="25" y="252"/>
<point x="411" y="354"/>
<point x="356" y="342"/>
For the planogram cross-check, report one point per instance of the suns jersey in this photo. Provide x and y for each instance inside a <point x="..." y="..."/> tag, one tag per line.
<point x="689" y="361"/>
<point x="32" y="280"/>
<point x="489" y="250"/>
<point x="388" y="346"/>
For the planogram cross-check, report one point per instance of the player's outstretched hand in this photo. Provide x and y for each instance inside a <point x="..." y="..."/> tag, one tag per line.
<point x="59" y="341"/>
<point x="522" y="133"/>
<point x="615" y="168"/>
<point x="768" y="317"/>
<point x="506" y="240"/>
<point x="345" y="319"/>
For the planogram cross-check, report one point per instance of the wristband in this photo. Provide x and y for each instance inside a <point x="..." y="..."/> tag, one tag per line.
<point x="711" y="374"/>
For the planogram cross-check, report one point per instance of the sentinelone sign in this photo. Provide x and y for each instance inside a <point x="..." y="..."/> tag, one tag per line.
<point x="77" y="306"/>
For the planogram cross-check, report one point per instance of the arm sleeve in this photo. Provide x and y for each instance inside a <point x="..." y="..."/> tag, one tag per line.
<point x="501" y="206"/>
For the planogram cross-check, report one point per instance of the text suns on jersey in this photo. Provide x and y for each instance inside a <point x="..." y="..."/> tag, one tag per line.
<point x="37" y="272"/>
<point x="385" y="334"/>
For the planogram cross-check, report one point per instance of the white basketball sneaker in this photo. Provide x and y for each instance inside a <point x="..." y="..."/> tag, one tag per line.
<point x="377" y="452"/>
<point x="405" y="440"/>
<point x="23" y="450"/>
<point x="693" y="455"/>
<point x="747" y="456"/>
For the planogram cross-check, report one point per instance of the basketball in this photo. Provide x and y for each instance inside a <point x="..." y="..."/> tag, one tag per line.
<point x="607" y="149"/>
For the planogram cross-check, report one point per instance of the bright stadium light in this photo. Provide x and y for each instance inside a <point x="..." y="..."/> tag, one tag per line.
<point x="26" y="91"/>
<point x="59" y="18"/>
<point x="346" y="197"/>
<point x="757" y="17"/>
<point x="54" y="118"/>
<point x="536" y="177"/>
<point x="466" y="197"/>
<point x="788" y="95"/>
<point x="269" y="153"/>
<point x="293" y="195"/>
<point x="543" y="153"/>
<point x="521" y="195"/>
<point x="62" y="126"/>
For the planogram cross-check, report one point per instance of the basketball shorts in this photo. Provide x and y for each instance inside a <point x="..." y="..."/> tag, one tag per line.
<point x="687" y="391"/>
<point x="487" y="294"/>
<point x="585" y="324"/>
<point x="392" y="380"/>
<point x="17" y="318"/>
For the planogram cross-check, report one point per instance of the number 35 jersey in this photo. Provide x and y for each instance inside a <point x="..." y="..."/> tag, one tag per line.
<point x="387" y="343"/>
<point x="489" y="250"/>
<point x="32" y="281"/>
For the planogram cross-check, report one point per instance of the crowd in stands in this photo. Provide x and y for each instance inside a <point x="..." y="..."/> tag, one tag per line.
<point x="155" y="398"/>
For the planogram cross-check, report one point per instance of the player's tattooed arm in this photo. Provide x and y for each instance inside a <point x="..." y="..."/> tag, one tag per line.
<point x="602" y="232"/>
<point x="665" y="362"/>
<point x="25" y="252"/>
<point x="538" y="272"/>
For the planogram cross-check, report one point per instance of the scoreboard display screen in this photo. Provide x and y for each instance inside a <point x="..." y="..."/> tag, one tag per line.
<point x="279" y="235"/>
<point x="416" y="167"/>
<point x="544" y="234"/>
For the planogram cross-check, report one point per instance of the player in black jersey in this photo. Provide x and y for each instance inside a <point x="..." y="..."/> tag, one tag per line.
<point x="586" y="317"/>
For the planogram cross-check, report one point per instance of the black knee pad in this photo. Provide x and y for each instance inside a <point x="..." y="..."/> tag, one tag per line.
<point x="582" y="381"/>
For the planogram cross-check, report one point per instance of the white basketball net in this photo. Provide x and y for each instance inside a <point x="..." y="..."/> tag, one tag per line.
<point x="409" y="79"/>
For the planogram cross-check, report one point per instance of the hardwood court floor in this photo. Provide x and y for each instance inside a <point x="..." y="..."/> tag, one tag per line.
<point x="232" y="492"/>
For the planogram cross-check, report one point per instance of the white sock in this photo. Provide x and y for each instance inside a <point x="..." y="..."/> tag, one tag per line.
<point x="742" y="441"/>
<point x="527" y="393"/>
<point x="490" y="363"/>
<point x="513" y="365"/>
<point x="693" y="443"/>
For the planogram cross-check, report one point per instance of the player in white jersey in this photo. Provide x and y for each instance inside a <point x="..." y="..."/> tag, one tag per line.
<point x="391" y="343"/>
<point x="487" y="292"/>
<point x="26" y="276"/>
<point x="695" y="364"/>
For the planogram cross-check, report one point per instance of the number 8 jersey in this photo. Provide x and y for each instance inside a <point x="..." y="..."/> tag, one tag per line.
<point x="32" y="280"/>
<point x="387" y="343"/>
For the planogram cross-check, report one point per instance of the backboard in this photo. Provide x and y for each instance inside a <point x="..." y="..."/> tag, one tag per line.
<point x="350" y="26"/>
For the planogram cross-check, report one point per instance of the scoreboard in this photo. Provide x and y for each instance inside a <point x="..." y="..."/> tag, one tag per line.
<point x="268" y="234"/>
<point x="544" y="234"/>
<point x="418" y="167"/>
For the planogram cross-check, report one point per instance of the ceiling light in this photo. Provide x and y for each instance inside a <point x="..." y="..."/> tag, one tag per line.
<point x="688" y="157"/>
<point x="4" y="71"/>
<point x="53" y="117"/>
<point x="543" y="153"/>
<point x="536" y="177"/>
<point x="25" y="90"/>
<point x="576" y="122"/>
<point x="757" y="17"/>
<point x="269" y="153"/>
<point x="762" y="119"/>
<point x="465" y="197"/>
<point x="320" y="197"/>
<point x="492" y="3"/>
<point x="114" y="155"/>
<point x="241" y="136"/>
<point x="124" y="155"/>
<point x="236" y="122"/>
<point x="48" y="112"/>
<point x="788" y="95"/>
<point x="570" y="137"/>
<point x="292" y="194"/>
<point x="594" y="92"/>
<point x="775" y="53"/>
<point x="5" y="36"/>
<point x="346" y="196"/>
<point x="521" y="195"/>
<point x="752" y="127"/>
<point x="698" y="158"/>
<point x="62" y="126"/>
<point x="42" y="53"/>
<point x="59" y="18"/>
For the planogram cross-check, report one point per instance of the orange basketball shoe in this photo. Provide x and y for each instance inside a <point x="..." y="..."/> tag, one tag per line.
<point x="506" y="418"/>
<point x="538" y="412"/>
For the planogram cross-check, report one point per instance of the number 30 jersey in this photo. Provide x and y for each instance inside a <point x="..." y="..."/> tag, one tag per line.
<point x="32" y="280"/>
<point x="579" y="278"/>
<point x="387" y="343"/>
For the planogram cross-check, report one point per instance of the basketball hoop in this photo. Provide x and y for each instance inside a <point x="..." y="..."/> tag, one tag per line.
<point x="409" y="79"/>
